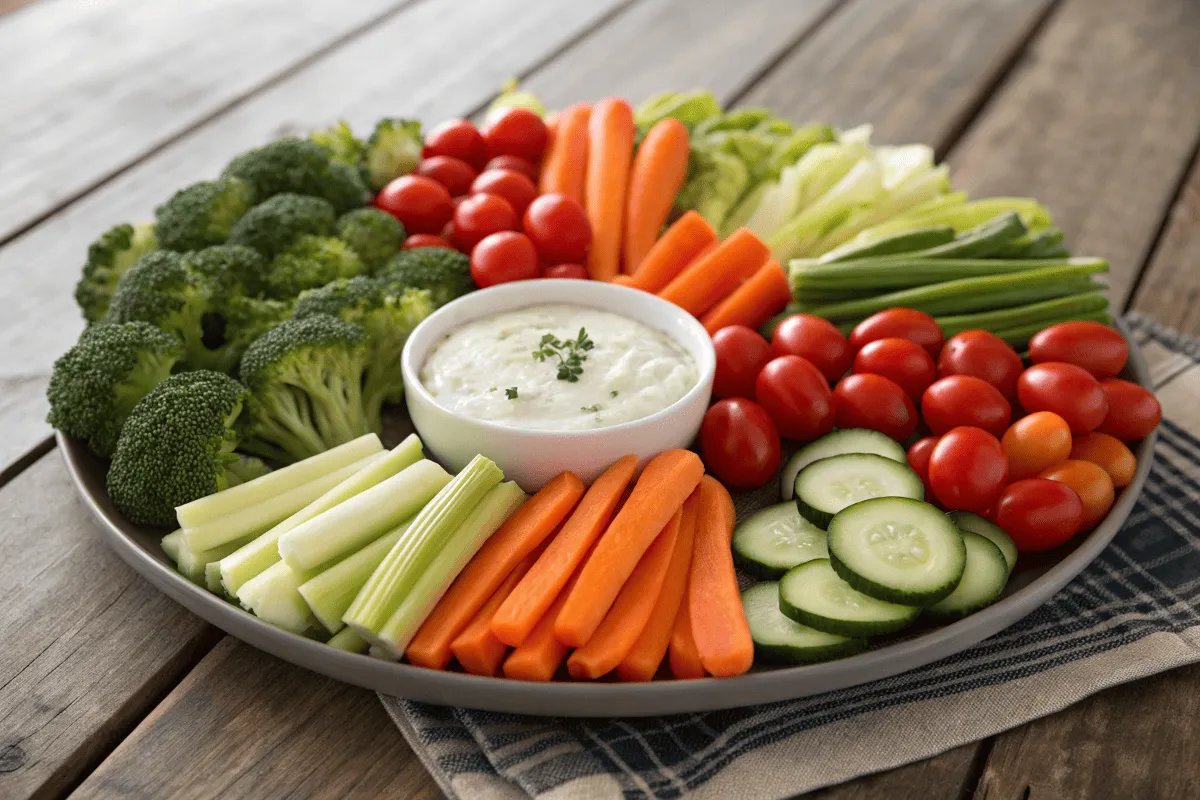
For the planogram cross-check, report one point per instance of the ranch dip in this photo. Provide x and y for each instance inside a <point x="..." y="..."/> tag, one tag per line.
<point x="530" y="368"/>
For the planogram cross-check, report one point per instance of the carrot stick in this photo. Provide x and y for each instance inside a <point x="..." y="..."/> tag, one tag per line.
<point x="660" y="491"/>
<point x="610" y="149"/>
<point x="680" y="245"/>
<point x="566" y="158"/>
<point x="710" y="278"/>
<point x="541" y="654"/>
<point x="658" y="171"/>
<point x="685" y="660"/>
<point x="476" y="649"/>
<point x="718" y="622"/>
<point x="752" y="303"/>
<point x="624" y="280"/>
<point x="519" y="536"/>
<point x="642" y="661"/>
<point x="529" y="601"/>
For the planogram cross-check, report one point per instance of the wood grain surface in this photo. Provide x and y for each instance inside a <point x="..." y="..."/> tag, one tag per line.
<point x="1169" y="289"/>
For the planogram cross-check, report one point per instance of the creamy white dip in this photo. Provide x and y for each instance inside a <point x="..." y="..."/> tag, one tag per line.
<point x="486" y="370"/>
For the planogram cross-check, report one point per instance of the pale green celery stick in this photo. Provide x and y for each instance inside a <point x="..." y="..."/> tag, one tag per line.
<point x="274" y="597"/>
<point x="348" y="640"/>
<point x="362" y="519"/>
<point x="192" y="563"/>
<point x="379" y="652"/>
<point x="212" y="578"/>
<point x="206" y="509"/>
<point x="411" y="555"/>
<point x="496" y="506"/>
<point x="252" y="559"/>
<point x="332" y="590"/>
<point x="172" y="543"/>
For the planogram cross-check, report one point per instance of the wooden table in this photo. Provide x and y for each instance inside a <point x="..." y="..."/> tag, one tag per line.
<point x="108" y="688"/>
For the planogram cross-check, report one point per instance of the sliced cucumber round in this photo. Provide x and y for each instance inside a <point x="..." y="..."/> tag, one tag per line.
<point x="838" y="443"/>
<point x="825" y="487"/>
<point x="966" y="521"/>
<point x="897" y="549"/>
<point x="778" y="638"/>
<point x="813" y="595"/>
<point x="774" y="540"/>
<point x="982" y="582"/>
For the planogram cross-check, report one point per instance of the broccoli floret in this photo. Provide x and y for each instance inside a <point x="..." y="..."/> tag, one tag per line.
<point x="109" y="257"/>
<point x="247" y="318"/>
<point x="296" y="166"/>
<point x="346" y="190"/>
<point x="376" y="236"/>
<point x="178" y="445"/>
<point x="305" y="378"/>
<point x="202" y="214"/>
<point x="232" y="269"/>
<point x="445" y="273"/>
<point x="97" y="382"/>
<point x="394" y="149"/>
<point x="160" y="290"/>
<point x="312" y="261"/>
<point x="339" y="143"/>
<point x="271" y="226"/>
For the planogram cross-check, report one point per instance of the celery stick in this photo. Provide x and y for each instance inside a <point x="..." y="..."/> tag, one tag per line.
<point x="274" y="597"/>
<point x="192" y="563"/>
<point x="207" y="509"/>
<point x="348" y="640"/>
<point x="1045" y="313"/>
<point x="212" y="577"/>
<point x="1020" y="336"/>
<point x="252" y="559"/>
<point x="906" y="272"/>
<point x="172" y="543"/>
<point x="331" y="591"/>
<point x="363" y="518"/>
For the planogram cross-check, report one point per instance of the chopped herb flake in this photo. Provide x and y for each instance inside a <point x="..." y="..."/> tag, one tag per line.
<point x="613" y="393"/>
<point x="511" y="392"/>
<point x="592" y="409"/>
<point x="570" y="354"/>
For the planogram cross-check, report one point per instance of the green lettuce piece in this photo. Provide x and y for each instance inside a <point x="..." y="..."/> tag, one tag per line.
<point x="690" y="108"/>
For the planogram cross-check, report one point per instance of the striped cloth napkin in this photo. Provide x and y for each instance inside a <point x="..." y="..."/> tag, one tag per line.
<point x="1133" y="612"/>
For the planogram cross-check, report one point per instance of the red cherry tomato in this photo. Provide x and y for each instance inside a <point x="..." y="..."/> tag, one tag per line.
<point x="875" y="402"/>
<point x="503" y="257"/>
<point x="797" y="397"/>
<point x="453" y="173"/>
<point x="425" y="240"/>
<point x="905" y="362"/>
<point x="984" y="355"/>
<point x="899" y="323"/>
<point x="514" y="163"/>
<point x="741" y="355"/>
<point x="421" y="204"/>
<point x="1099" y="349"/>
<point x="1039" y="514"/>
<point x="814" y="339"/>
<point x="457" y="138"/>
<point x="965" y="400"/>
<point x="1133" y="411"/>
<point x="739" y="443"/>
<point x="576" y="271"/>
<point x="967" y="469"/>
<point x="918" y="458"/>
<point x="516" y="132"/>
<point x="482" y="215"/>
<point x="514" y="187"/>
<point x="1067" y="390"/>
<point x="559" y="228"/>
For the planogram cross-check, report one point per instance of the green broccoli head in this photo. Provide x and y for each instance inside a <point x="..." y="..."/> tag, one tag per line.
<point x="445" y="273"/>
<point x="310" y="262"/>
<point x="297" y="166"/>
<point x="160" y="290"/>
<point x="373" y="234"/>
<point x="273" y="225"/>
<point x="346" y="190"/>
<point x="394" y="149"/>
<point x="97" y="382"/>
<point x="109" y="257"/>
<point x="178" y="445"/>
<point x="202" y="214"/>
<point x="339" y="143"/>
<point x="247" y="318"/>
<point x="232" y="269"/>
<point x="305" y="378"/>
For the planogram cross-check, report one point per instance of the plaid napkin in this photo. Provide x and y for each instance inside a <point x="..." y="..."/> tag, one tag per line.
<point x="1133" y="612"/>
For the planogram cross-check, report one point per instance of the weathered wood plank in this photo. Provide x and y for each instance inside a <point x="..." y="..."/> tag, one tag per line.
<point x="942" y="777"/>
<point x="1169" y="289"/>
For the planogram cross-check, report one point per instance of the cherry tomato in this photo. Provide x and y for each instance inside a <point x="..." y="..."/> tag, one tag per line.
<point x="503" y="257"/>
<point x="1035" y="443"/>
<point x="815" y="339"/>
<point x="559" y="228"/>
<point x="1067" y="390"/>
<point x="481" y="215"/>
<point x="453" y="173"/>
<point x="875" y="402"/>
<point x="515" y="163"/>
<point x="576" y="271"/>
<point x="457" y="138"/>
<point x="1108" y="452"/>
<point x="797" y="397"/>
<point x="741" y="355"/>
<point x="1133" y="411"/>
<point x="984" y="355"/>
<point x="965" y="400"/>
<point x="1091" y="483"/>
<point x="918" y="458"/>
<point x="899" y="323"/>
<point x="1039" y="514"/>
<point x="514" y="187"/>
<point x="516" y="132"/>
<point x="421" y="204"/>
<point x="905" y="362"/>
<point x="739" y="443"/>
<point x="1099" y="349"/>
<point x="967" y="469"/>
<point x="425" y="240"/>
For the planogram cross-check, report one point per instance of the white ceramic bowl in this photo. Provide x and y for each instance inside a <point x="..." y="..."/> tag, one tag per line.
<point x="533" y="457"/>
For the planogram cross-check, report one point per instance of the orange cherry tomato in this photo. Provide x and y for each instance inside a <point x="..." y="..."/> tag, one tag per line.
<point x="1090" y="482"/>
<point x="1108" y="452"/>
<point x="1036" y="442"/>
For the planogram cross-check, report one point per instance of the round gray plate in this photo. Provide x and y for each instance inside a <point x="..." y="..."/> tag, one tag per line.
<point x="1030" y="587"/>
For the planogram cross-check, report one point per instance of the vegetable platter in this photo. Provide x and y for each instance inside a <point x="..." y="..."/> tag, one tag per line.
<point x="788" y="415"/>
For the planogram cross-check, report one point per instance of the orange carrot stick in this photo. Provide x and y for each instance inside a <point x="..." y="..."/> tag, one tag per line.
<point x="566" y="159"/>
<point x="713" y="276"/>
<point x="685" y="660"/>
<point x="718" y="622"/>
<point x="660" y="491"/>
<point x="529" y="601"/>
<point x="519" y="536"/>
<point x="610" y="150"/>
<point x="541" y="654"/>
<point x="658" y="171"/>
<point x="752" y="303"/>
<point x="680" y="245"/>
<point x="476" y="649"/>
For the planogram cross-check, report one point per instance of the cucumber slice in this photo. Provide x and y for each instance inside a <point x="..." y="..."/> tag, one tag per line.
<point x="850" y="440"/>
<point x="982" y="582"/>
<point x="966" y="521"/>
<point x="825" y="487"/>
<point x="774" y="540"/>
<point x="778" y="638"/>
<point x="813" y="595"/>
<point x="897" y="549"/>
